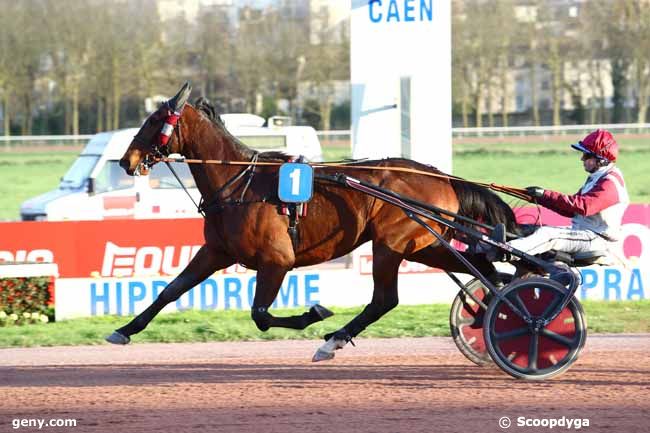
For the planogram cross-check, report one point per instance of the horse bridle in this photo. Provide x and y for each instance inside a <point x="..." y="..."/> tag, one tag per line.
<point x="160" y="149"/>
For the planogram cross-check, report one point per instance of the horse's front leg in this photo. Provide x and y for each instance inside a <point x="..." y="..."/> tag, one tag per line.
<point x="205" y="263"/>
<point x="385" y="268"/>
<point x="269" y="280"/>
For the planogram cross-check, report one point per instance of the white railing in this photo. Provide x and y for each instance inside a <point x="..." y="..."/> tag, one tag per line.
<point x="343" y="137"/>
<point x="36" y="141"/>
<point x="616" y="128"/>
<point x="4" y="138"/>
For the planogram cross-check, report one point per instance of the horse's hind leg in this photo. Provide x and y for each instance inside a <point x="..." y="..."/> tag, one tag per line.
<point x="204" y="264"/>
<point x="269" y="280"/>
<point x="385" y="269"/>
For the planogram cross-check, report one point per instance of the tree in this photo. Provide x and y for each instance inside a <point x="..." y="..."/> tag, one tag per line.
<point x="249" y="59"/>
<point x="328" y="60"/>
<point x="69" y="47"/>
<point x="213" y="51"/>
<point x="481" y="54"/>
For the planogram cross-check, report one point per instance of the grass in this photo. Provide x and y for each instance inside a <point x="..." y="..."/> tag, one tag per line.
<point x="201" y="326"/>
<point x="556" y="171"/>
<point x="24" y="175"/>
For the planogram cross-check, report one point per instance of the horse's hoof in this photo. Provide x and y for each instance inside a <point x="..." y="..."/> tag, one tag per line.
<point x="322" y="312"/>
<point x="117" y="338"/>
<point x="322" y="355"/>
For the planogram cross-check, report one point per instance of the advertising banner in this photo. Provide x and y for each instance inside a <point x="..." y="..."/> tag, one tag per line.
<point x="119" y="266"/>
<point x="85" y="297"/>
<point x="113" y="248"/>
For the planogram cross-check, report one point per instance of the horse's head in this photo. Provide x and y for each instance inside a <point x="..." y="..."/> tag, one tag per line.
<point x="156" y="137"/>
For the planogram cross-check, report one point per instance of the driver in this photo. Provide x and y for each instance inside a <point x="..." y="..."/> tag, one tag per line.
<point x="596" y="210"/>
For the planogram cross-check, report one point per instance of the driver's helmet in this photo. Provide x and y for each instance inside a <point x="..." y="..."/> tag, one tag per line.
<point x="600" y="144"/>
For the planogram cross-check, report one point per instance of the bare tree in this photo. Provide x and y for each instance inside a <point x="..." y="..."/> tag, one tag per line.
<point x="327" y="60"/>
<point x="9" y="50"/>
<point x="213" y="52"/>
<point x="249" y="59"/>
<point x="636" y="21"/>
<point x="593" y="44"/>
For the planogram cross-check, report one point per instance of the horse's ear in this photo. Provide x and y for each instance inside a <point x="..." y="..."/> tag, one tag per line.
<point x="178" y="101"/>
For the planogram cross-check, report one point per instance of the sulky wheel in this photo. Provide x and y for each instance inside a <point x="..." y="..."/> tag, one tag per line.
<point x="520" y="350"/>
<point x="466" y="320"/>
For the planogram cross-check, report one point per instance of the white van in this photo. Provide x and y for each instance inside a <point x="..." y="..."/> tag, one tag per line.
<point x="96" y="187"/>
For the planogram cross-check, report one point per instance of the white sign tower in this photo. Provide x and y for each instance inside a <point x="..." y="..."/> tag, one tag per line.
<point x="401" y="80"/>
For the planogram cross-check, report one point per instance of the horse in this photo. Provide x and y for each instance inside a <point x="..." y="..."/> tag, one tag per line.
<point x="243" y="223"/>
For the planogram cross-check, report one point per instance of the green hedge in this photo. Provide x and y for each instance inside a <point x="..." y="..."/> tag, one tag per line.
<point x="25" y="300"/>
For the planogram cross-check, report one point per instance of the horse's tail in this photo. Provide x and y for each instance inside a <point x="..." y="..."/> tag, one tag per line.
<point x="481" y="204"/>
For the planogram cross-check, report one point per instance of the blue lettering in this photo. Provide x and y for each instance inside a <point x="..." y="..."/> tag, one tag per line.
<point x="408" y="10"/>
<point x="374" y="18"/>
<point x="118" y="296"/>
<point x="393" y="12"/>
<point x="157" y="285"/>
<point x="589" y="281"/>
<point x="190" y="301"/>
<point x="397" y="14"/>
<point x="252" y="283"/>
<point x="95" y="298"/>
<point x="612" y="281"/>
<point x="426" y="8"/>
<point x="291" y="288"/>
<point x="636" y="285"/>
<point x="229" y="292"/>
<point x="311" y="289"/>
<point x="204" y="288"/>
<point x="133" y="298"/>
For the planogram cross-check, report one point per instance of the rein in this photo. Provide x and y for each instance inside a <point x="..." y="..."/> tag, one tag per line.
<point x="512" y="191"/>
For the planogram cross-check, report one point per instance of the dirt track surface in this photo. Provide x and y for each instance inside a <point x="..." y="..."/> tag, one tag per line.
<point x="382" y="385"/>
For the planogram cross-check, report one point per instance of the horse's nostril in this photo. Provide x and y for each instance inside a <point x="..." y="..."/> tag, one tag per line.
<point x="125" y="164"/>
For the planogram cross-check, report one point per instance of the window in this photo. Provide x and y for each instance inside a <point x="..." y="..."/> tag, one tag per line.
<point x="160" y="177"/>
<point x="77" y="174"/>
<point x="113" y="178"/>
<point x="520" y="102"/>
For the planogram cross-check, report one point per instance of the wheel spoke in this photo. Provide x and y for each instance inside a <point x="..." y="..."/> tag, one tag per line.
<point x="521" y="304"/>
<point x="511" y="334"/>
<point x="533" y="352"/>
<point x="552" y="305"/>
<point x="558" y="338"/>
<point x="472" y="298"/>
<point x="466" y="321"/>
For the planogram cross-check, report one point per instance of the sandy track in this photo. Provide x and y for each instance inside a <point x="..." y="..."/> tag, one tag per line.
<point x="395" y="385"/>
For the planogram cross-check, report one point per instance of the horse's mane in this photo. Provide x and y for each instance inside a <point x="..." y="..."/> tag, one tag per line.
<point x="205" y="107"/>
<point x="478" y="202"/>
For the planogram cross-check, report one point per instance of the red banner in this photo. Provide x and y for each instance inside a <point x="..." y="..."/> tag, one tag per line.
<point x="106" y="248"/>
<point x="124" y="248"/>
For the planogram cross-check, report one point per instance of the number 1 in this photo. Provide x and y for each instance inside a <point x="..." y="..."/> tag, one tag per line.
<point x="295" y="181"/>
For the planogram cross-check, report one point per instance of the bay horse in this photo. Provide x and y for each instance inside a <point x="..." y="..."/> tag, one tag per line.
<point x="243" y="224"/>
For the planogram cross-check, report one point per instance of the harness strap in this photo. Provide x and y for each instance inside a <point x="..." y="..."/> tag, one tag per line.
<point x="198" y="206"/>
<point x="250" y="170"/>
